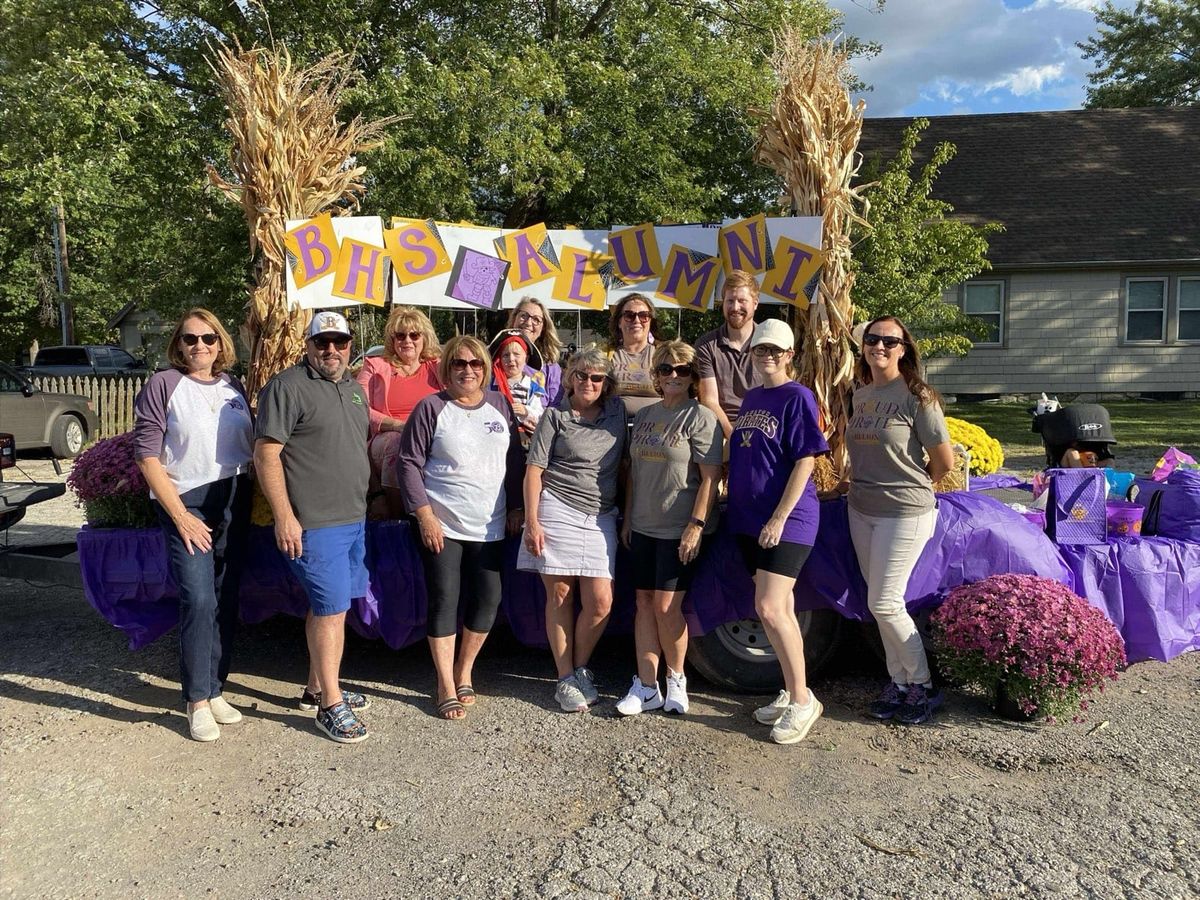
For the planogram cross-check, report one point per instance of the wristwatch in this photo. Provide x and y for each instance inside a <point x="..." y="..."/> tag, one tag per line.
<point x="699" y="523"/>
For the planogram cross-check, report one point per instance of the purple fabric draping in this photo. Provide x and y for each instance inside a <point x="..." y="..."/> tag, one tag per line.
<point x="1148" y="587"/>
<point x="126" y="580"/>
<point x="995" y="480"/>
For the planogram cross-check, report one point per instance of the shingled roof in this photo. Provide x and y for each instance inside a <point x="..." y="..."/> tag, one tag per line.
<point x="1089" y="186"/>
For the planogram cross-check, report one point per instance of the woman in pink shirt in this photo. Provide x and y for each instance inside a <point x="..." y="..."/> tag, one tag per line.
<point x="394" y="383"/>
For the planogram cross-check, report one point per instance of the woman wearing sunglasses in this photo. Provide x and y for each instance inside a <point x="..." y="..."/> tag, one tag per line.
<point x="460" y="471"/>
<point x="632" y="328"/>
<point x="531" y="316"/>
<point x="194" y="440"/>
<point x="571" y="518"/>
<point x="774" y="513"/>
<point x="675" y="450"/>
<point x="394" y="383"/>
<point x="897" y="420"/>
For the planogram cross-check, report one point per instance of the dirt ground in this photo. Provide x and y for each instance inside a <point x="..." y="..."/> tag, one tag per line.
<point x="103" y="795"/>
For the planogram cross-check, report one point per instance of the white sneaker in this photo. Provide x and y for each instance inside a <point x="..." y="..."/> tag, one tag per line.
<point x="202" y="725"/>
<point x="796" y="720"/>
<point x="640" y="699"/>
<point x="222" y="712"/>
<point x="677" y="698"/>
<point x="769" y="714"/>
<point x="570" y="698"/>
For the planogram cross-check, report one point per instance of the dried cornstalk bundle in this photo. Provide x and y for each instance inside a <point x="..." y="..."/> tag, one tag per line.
<point x="809" y="136"/>
<point x="291" y="159"/>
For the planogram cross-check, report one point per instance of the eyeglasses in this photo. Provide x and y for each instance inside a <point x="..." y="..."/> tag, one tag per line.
<point x="888" y="340"/>
<point x="593" y="377"/>
<point x="530" y="318"/>
<point x="460" y="365"/>
<point x="323" y="343"/>
<point x="413" y="336"/>
<point x="666" y="370"/>
<point x="191" y="339"/>
<point x="631" y="316"/>
<point x="762" y="351"/>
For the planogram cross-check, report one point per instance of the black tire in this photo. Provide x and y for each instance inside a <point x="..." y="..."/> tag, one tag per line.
<point x="67" y="436"/>
<point x="738" y="655"/>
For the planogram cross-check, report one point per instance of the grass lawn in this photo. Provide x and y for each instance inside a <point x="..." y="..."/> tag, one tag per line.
<point x="1136" y="423"/>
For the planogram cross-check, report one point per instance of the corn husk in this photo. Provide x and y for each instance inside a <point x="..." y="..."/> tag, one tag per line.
<point x="809" y="137"/>
<point x="290" y="159"/>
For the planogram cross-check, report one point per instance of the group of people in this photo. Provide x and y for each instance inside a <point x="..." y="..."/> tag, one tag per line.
<point x="474" y="443"/>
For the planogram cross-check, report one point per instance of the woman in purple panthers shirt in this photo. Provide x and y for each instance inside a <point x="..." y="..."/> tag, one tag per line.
<point x="773" y="511"/>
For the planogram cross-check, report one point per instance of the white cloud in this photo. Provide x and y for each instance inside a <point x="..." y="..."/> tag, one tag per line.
<point x="968" y="53"/>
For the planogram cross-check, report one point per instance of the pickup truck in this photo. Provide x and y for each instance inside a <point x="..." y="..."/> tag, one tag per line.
<point x="85" y="359"/>
<point x="37" y="418"/>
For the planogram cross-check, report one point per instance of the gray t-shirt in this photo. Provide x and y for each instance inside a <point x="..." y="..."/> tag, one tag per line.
<point x="581" y="458"/>
<point x="634" y="373"/>
<point x="730" y="366"/>
<point x="888" y="433"/>
<point x="666" y="449"/>
<point x="323" y="428"/>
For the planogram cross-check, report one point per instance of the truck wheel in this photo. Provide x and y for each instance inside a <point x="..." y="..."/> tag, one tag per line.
<point x="67" y="437"/>
<point x="737" y="655"/>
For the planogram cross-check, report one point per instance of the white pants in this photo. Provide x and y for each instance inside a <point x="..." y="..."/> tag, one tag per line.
<point x="887" y="550"/>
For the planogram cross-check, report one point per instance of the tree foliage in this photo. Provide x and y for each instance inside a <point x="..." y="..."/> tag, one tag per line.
<point x="913" y="253"/>
<point x="573" y="112"/>
<point x="1145" y="56"/>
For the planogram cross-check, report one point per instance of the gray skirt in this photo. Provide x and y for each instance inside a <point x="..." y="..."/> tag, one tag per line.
<point x="576" y="543"/>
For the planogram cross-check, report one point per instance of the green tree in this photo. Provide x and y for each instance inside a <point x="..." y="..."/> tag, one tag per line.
<point x="914" y="252"/>
<point x="1145" y="56"/>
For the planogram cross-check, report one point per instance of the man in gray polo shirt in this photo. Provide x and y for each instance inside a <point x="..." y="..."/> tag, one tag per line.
<point x="722" y="359"/>
<point x="311" y="459"/>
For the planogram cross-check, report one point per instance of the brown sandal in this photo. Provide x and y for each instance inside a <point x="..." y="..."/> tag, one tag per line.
<point x="452" y="705"/>
<point x="466" y="694"/>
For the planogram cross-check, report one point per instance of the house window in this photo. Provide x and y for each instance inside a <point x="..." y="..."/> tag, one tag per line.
<point x="1145" y="309"/>
<point x="1189" y="309"/>
<point x="984" y="301"/>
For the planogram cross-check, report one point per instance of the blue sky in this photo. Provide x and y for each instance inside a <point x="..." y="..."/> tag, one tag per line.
<point x="947" y="57"/>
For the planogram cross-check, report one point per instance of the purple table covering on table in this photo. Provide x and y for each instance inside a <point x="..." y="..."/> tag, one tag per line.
<point x="995" y="480"/>
<point x="1148" y="587"/>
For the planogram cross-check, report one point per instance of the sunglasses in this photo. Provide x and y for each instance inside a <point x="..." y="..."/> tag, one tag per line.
<point x="323" y="343"/>
<point x="593" y="377"/>
<point x="460" y="365"/>
<point x="666" y="370"/>
<point x="192" y="339"/>
<point x="531" y="319"/>
<point x="631" y="316"/>
<point x="762" y="351"/>
<point x="888" y="341"/>
<point x="413" y="336"/>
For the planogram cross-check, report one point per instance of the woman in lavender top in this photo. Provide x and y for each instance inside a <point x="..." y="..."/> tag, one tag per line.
<point x="460" y="466"/>
<point x="773" y="512"/>
<point x="531" y="316"/>
<point x="194" y="440"/>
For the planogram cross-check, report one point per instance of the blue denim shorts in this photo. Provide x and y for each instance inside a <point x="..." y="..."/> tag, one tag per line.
<point x="332" y="566"/>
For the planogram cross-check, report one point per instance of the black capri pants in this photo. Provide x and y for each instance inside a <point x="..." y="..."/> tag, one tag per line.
<point x="465" y="574"/>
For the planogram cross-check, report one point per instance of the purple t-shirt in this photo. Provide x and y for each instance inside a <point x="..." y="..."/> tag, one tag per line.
<point x="775" y="427"/>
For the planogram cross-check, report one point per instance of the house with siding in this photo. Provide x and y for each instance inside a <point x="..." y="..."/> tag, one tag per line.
<point x="1095" y="283"/>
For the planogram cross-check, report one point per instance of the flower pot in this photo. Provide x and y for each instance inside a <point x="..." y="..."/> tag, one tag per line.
<point x="1008" y="708"/>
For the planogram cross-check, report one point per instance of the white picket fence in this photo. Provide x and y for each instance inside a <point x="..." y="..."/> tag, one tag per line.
<point x="111" y="396"/>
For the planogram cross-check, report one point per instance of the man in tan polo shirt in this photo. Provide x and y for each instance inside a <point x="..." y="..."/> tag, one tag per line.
<point x="722" y="356"/>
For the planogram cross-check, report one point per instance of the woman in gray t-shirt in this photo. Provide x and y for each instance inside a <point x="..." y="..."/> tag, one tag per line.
<point x="897" y="419"/>
<point x="674" y="466"/>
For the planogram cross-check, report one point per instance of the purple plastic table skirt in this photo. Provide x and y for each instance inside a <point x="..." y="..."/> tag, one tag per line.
<point x="1148" y="587"/>
<point x="125" y="578"/>
<point x="995" y="480"/>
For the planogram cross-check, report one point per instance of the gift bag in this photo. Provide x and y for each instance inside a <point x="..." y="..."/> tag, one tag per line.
<point x="1176" y="508"/>
<point x="1075" y="511"/>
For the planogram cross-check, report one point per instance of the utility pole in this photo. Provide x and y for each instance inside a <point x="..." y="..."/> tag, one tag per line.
<point x="66" y="312"/>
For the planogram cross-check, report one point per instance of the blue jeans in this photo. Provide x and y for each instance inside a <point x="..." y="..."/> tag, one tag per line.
<point x="208" y="582"/>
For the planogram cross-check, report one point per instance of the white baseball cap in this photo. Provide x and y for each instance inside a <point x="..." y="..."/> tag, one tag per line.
<point x="775" y="332"/>
<point x="328" y="323"/>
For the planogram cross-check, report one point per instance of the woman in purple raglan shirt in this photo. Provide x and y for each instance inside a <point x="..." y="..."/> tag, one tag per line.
<point x="773" y="512"/>
<point x="193" y="443"/>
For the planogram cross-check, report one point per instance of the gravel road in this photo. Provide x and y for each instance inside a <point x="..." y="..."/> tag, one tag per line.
<point x="102" y="794"/>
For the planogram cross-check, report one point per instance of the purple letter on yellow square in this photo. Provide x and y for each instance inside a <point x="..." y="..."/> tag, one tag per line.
<point x="635" y="253"/>
<point x="362" y="272"/>
<point x="795" y="265"/>
<point x="579" y="280"/>
<point x="312" y="249"/>
<point x="688" y="278"/>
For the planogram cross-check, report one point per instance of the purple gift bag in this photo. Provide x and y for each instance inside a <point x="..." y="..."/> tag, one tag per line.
<point x="1075" y="511"/>
<point x="1175" y="509"/>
